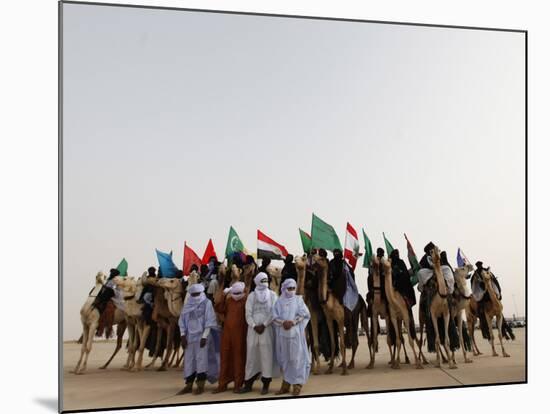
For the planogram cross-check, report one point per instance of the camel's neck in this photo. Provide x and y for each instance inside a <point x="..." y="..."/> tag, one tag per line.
<point x="301" y="280"/>
<point x="492" y="294"/>
<point x="323" y="283"/>
<point x="388" y="286"/>
<point x="441" y="285"/>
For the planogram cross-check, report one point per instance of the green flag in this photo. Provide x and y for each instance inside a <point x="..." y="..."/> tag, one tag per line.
<point x="323" y="235"/>
<point x="234" y="243"/>
<point x="389" y="247"/>
<point x="368" y="250"/>
<point x="306" y="241"/>
<point x="413" y="261"/>
<point x="123" y="267"/>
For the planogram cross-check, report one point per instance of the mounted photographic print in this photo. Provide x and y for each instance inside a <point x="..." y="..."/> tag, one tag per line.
<point x="260" y="206"/>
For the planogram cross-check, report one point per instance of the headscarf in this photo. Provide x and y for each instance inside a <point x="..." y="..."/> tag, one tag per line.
<point x="237" y="290"/>
<point x="284" y="288"/>
<point x="262" y="289"/>
<point x="193" y="302"/>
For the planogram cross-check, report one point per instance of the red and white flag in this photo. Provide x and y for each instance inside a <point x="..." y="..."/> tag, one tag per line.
<point x="269" y="248"/>
<point x="351" y="249"/>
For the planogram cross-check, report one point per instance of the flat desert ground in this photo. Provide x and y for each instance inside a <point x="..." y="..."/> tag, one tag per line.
<point x="114" y="387"/>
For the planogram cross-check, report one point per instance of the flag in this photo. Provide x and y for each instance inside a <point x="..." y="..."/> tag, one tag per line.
<point x="306" y="241"/>
<point x="461" y="259"/>
<point x="167" y="268"/>
<point x="269" y="248"/>
<point x="209" y="252"/>
<point x="413" y="261"/>
<point x="323" y="235"/>
<point x="351" y="249"/>
<point x="189" y="259"/>
<point x="368" y="250"/>
<point x="389" y="247"/>
<point x="234" y="243"/>
<point x="123" y="267"/>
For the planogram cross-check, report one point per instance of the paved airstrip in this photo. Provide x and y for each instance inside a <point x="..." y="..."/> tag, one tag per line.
<point x="114" y="387"/>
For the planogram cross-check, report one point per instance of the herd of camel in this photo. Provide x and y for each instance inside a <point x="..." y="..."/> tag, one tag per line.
<point x="323" y="303"/>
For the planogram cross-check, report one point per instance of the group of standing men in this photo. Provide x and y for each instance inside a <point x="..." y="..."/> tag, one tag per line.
<point x="263" y="335"/>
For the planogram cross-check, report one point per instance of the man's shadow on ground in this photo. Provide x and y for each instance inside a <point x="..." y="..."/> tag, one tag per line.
<point x="49" y="403"/>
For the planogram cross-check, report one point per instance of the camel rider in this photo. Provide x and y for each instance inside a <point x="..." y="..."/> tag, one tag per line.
<point x="212" y="277"/>
<point x="288" y="271"/>
<point x="118" y="297"/>
<point x="445" y="260"/>
<point x="147" y="291"/>
<point x="401" y="280"/>
<point x="426" y="260"/>
<point x="478" y="285"/>
<point x="370" y="281"/>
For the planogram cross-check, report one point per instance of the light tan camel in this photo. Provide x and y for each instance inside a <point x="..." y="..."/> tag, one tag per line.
<point x="249" y="271"/>
<point x="133" y="310"/>
<point x="459" y="302"/>
<point x="334" y="312"/>
<point x="89" y="317"/>
<point x="378" y="309"/>
<point x="301" y="265"/>
<point x="399" y="315"/>
<point x="439" y="307"/>
<point x="493" y="308"/>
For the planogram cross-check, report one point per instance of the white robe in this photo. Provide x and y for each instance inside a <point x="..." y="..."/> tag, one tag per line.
<point x="424" y="275"/>
<point x="292" y="352"/>
<point x="260" y="351"/>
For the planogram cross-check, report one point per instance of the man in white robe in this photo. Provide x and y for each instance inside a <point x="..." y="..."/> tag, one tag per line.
<point x="290" y="317"/>
<point x="260" y="357"/>
<point x="197" y="324"/>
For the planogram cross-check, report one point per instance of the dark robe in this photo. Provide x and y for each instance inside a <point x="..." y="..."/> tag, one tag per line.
<point x="402" y="282"/>
<point x="424" y="264"/>
<point x="288" y="272"/>
<point x="233" y="342"/>
<point x="337" y="279"/>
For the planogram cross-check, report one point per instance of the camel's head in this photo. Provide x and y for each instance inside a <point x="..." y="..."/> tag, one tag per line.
<point x="300" y="262"/>
<point x="100" y="278"/>
<point x="193" y="278"/>
<point x="127" y="284"/>
<point x="236" y="272"/>
<point x="249" y="269"/>
<point x="436" y="256"/>
<point x="386" y="265"/>
<point x="460" y="275"/>
<point x="170" y="283"/>
<point x="319" y="261"/>
<point x="486" y="274"/>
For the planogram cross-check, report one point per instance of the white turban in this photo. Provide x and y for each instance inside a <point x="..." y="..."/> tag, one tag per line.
<point x="287" y="284"/>
<point x="261" y="292"/>
<point x="237" y="290"/>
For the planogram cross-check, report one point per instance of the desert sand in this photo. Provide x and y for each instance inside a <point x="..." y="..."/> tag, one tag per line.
<point x="114" y="387"/>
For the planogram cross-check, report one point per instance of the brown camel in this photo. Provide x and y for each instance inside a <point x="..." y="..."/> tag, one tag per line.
<point x="334" y="312"/>
<point x="439" y="307"/>
<point x="492" y="308"/>
<point x="399" y="314"/>
<point x="377" y="308"/>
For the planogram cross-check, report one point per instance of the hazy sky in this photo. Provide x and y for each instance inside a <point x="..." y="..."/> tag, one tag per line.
<point x="180" y="124"/>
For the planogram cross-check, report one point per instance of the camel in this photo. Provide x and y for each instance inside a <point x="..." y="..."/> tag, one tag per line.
<point x="89" y="317"/>
<point x="459" y="303"/>
<point x="165" y="302"/>
<point x="399" y="314"/>
<point x="249" y="271"/>
<point x="492" y="308"/>
<point x="301" y="265"/>
<point x="334" y="312"/>
<point x="439" y="307"/>
<point x="378" y="308"/>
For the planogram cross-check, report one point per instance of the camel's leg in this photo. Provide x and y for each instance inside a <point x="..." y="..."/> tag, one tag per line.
<point x="471" y="321"/>
<point x="180" y="359"/>
<point x="491" y="335"/>
<point x="314" y="321"/>
<point x="82" y="348"/>
<point x="407" y="360"/>
<point x="420" y="341"/>
<point x="396" y="360"/>
<point x="157" y="347"/>
<point x="132" y="345"/>
<point x="330" y="325"/>
<point x="417" y="361"/>
<point x="169" y="345"/>
<point x="374" y="339"/>
<point x="88" y="346"/>
<point x="342" y="345"/>
<point x="446" y="318"/>
<point x="461" y="338"/>
<point x="120" y="328"/>
<point x="143" y="335"/>
<point x="437" y="341"/>
<point x="391" y="346"/>
<point x="499" y="327"/>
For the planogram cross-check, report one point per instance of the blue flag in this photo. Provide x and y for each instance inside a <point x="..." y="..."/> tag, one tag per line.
<point x="167" y="268"/>
<point x="461" y="259"/>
